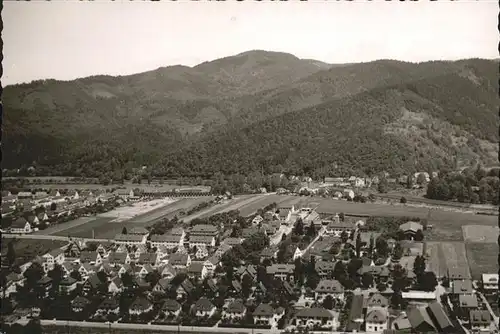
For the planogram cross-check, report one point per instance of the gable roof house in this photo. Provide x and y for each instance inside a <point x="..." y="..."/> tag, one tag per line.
<point x="197" y="269"/>
<point x="109" y="305"/>
<point x="420" y="320"/>
<point x="115" y="258"/>
<point x="180" y="261"/>
<point x="20" y="226"/>
<point x="410" y="229"/>
<point x="171" y="308"/>
<point x="235" y="310"/>
<point x="285" y="272"/>
<point x="148" y="258"/>
<point x="167" y="271"/>
<point x="204" y="229"/>
<point x="480" y="320"/>
<point x="92" y="258"/>
<point x="440" y="319"/>
<point x="130" y="239"/>
<point x="201" y="241"/>
<point x="184" y="288"/>
<point x="266" y="315"/>
<point x="204" y="308"/>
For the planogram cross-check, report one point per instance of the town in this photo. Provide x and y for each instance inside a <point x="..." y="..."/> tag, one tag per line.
<point x="284" y="268"/>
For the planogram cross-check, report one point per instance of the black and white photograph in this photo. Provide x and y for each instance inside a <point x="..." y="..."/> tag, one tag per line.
<point x="250" y="167"/>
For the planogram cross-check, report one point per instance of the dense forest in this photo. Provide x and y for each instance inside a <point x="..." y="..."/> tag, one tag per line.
<point x="256" y="112"/>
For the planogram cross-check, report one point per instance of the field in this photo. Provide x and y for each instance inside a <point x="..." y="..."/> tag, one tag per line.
<point x="444" y="255"/>
<point x="482" y="258"/>
<point x="27" y="249"/>
<point x="480" y="233"/>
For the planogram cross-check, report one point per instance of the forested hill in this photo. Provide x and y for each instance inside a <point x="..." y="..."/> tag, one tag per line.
<point x="257" y="110"/>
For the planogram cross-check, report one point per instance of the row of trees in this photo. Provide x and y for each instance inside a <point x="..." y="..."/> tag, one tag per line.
<point x="471" y="186"/>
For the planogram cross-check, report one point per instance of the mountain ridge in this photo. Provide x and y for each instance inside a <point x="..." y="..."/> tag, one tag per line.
<point x="157" y="114"/>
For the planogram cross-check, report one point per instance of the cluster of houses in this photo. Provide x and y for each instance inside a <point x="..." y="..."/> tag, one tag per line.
<point x="29" y="210"/>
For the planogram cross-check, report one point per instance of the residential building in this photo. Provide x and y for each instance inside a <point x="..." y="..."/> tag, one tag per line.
<point x="204" y="230"/>
<point x="204" y="308"/>
<point x="92" y="258"/>
<point x="480" y="320"/>
<point x="184" y="288"/>
<point x="331" y="288"/>
<point x="490" y="283"/>
<point x="21" y="226"/>
<point x="235" y="310"/>
<point x="171" y="308"/>
<point x="130" y="239"/>
<point x="119" y="258"/>
<point x="140" y="306"/>
<point x="79" y="304"/>
<point x="376" y="320"/>
<point x="336" y="228"/>
<point x="232" y="241"/>
<point x="356" y="317"/>
<point x="115" y="285"/>
<point x="266" y="315"/>
<point x="410" y="229"/>
<point x="197" y="269"/>
<point x="109" y="306"/>
<point x="201" y="241"/>
<point x="148" y="258"/>
<point x="180" y="261"/>
<point x="163" y="285"/>
<point x="44" y="285"/>
<point x="285" y="272"/>
<point x="67" y="284"/>
<point x="324" y="268"/>
<point x="167" y="240"/>
<point x="55" y="256"/>
<point x="462" y="288"/>
<point x="316" y="316"/>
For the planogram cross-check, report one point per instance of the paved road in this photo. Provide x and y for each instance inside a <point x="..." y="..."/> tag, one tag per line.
<point x="164" y="328"/>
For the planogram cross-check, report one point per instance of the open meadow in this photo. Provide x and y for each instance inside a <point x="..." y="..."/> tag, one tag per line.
<point x="480" y="233"/>
<point x="482" y="258"/>
<point x="27" y="249"/>
<point x="444" y="255"/>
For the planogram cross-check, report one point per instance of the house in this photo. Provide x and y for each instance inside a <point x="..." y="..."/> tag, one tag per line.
<point x="458" y="274"/>
<point x="260" y="290"/>
<point x="420" y="320"/>
<point x="115" y="285"/>
<point x="297" y="254"/>
<point x="285" y="215"/>
<point x="140" y="306"/>
<point x="163" y="285"/>
<point x="235" y="310"/>
<point x="401" y="323"/>
<point x="418" y="296"/>
<point x="201" y="241"/>
<point x="11" y="284"/>
<point x="377" y="301"/>
<point x="92" y="284"/>
<point x="184" y="288"/>
<point x="140" y="249"/>
<point x="180" y="261"/>
<point x="167" y="240"/>
<point x="257" y="220"/>
<point x="79" y="304"/>
<point x="24" y="195"/>
<point x="462" y="288"/>
<point x="55" y="256"/>
<point x="223" y="248"/>
<point x="42" y="217"/>
<point x="329" y="288"/>
<point x="115" y="258"/>
<point x="439" y="318"/>
<point x="376" y="320"/>
<point x="248" y="270"/>
<point x="110" y="305"/>
<point x="410" y="229"/>
<point x="285" y="272"/>
<point x="480" y="320"/>
<point x="124" y="194"/>
<point x="324" y="268"/>
<point x="201" y="252"/>
<point x="92" y="258"/>
<point x="316" y="316"/>
<point x="145" y="270"/>
<point x="232" y="241"/>
<point x="468" y="302"/>
<point x="20" y="226"/>
<point x="348" y="193"/>
<point x="266" y="315"/>
<point x="197" y="269"/>
<point x="269" y="253"/>
<point x="130" y="239"/>
<point x="67" y="284"/>
<point x="204" y="230"/>
<point x="204" y="308"/>
<point x="171" y="308"/>
<point x="148" y="258"/>
<point x="337" y="227"/>
<point x="43" y="285"/>
<point x="489" y="283"/>
<point x="167" y="271"/>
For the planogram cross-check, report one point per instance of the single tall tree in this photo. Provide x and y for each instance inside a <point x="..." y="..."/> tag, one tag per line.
<point x="124" y="230"/>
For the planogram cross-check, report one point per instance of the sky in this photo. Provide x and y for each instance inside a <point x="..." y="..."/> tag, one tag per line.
<point x="66" y="40"/>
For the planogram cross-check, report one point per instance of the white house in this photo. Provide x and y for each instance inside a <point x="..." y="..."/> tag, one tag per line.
<point x="55" y="256"/>
<point x="130" y="239"/>
<point x="297" y="254"/>
<point x="376" y="320"/>
<point x="21" y="226"/>
<point x="316" y="316"/>
<point x="480" y="321"/>
<point x="204" y="308"/>
<point x="140" y="306"/>
<point x="201" y="240"/>
<point x="490" y="282"/>
<point x="167" y="240"/>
